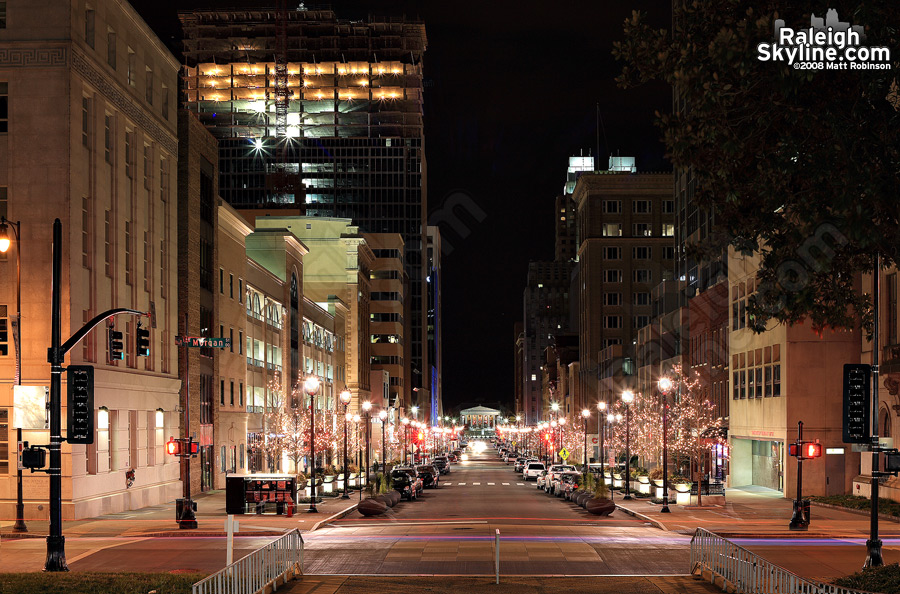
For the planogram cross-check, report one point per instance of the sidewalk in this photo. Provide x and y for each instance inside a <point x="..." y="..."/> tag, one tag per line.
<point x="756" y="512"/>
<point x="159" y="520"/>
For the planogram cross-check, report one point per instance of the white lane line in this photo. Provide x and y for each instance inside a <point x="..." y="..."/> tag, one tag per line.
<point x="476" y="483"/>
<point x="506" y="484"/>
<point x="492" y="484"/>
<point x="520" y="484"/>
<point x="461" y="484"/>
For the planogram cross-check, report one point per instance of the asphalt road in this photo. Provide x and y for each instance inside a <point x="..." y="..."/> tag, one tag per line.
<point x="452" y="531"/>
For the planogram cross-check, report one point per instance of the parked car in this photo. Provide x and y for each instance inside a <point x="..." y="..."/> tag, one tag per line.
<point x="405" y="483"/>
<point x="430" y="475"/>
<point x="452" y="458"/>
<point x="551" y="475"/>
<point x="520" y="463"/>
<point x="539" y="481"/>
<point x="556" y="483"/>
<point x="442" y="463"/>
<point x="417" y="485"/>
<point x="532" y="470"/>
<point x="568" y="482"/>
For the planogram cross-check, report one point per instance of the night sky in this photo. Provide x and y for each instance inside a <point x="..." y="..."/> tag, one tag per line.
<point x="511" y="93"/>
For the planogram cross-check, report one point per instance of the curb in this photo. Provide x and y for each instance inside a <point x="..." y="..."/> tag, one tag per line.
<point x="336" y="516"/>
<point x="859" y="512"/>
<point x="635" y="514"/>
<point x="162" y="534"/>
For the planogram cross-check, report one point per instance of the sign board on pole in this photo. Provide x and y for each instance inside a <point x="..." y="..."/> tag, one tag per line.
<point x="564" y="454"/>
<point x="30" y="407"/>
<point x="857" y="403"/>
<point x="201" y="341"/>
<point x="80" y="407"/>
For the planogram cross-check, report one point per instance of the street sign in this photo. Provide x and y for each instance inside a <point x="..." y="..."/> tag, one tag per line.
<point x="200" y="341"/>
<point x="857" y="398"/>
<point x="564" y="454"/>
<point x="80" y="427"/>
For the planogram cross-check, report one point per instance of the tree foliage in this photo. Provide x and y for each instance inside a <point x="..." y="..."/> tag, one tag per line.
<point x="800" y="166"/>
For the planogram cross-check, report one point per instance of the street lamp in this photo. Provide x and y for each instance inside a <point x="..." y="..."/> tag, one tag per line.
<point x="356" y="419"/>
<point x="627" y="398"/>
<point x="585" y="413"/>
<point x="367" y="406"/>
<point x="382" y="415"/>
<point x="610" y="419"/>
<point x="17" y="338"/>
<point x="345" y="400"/>
<point x="665" y="386"/>
<point x="311" y="386"/>
<point x="601" y="406"/>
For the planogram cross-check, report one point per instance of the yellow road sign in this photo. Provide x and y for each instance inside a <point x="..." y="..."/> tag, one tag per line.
<point x="564" y="454"/>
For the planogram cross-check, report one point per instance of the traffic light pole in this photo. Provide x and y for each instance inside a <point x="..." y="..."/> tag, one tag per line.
<point x="56" y="355"/>
<point x="873" y="545"/>
<point x="798" y="519"/>
<point x="187" y="520"/>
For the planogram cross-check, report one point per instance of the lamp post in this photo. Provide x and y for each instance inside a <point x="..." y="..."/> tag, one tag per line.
<point x="610" y="419"/>
<point x="665" y="386"/>
<point x="17" y="338"/>
<point x="367" y="406"/>
<point x="405" y="423"/>
<point x="356" y="419"/>
<point x="382" y="415"/>
<point x="311" y="386"/>
<point x="601" y="407"/>
<point x="585" y="413"/>
<point x="345" y="400"/>
<point x="627" y="398"/>
<point x="553" y="424"/>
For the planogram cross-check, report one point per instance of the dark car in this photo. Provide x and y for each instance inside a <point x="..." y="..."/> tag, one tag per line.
<point x="453" y="457"/>
<point x="407" y="482"/>
<point x="430" y="475"/>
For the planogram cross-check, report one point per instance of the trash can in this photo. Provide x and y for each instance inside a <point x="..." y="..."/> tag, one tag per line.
<point x="179" y="508"/>
<point x="804" y="505"/>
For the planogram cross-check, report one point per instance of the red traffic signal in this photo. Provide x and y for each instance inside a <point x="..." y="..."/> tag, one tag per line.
<point x="173" y="447"/>
<point x="195" y="448"/>
<point x="420" y="437"/>
<point x="812" y="450"/>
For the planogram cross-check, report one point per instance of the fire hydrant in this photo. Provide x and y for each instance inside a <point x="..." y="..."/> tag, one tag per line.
<point x="289" y="505"/>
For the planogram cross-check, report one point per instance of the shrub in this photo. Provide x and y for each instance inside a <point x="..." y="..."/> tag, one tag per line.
<point x="638" y="471"/>
<point x="587" y="483"/>
<point x="656" y="474"/>
<point x="884" y="579"/>
<point x="600" y="490"/>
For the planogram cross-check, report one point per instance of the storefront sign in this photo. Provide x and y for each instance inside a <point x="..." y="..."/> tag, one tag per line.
<point x="755" y="433"/>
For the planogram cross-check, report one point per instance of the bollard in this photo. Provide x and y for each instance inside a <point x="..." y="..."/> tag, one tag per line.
<point x="497" y="554"/>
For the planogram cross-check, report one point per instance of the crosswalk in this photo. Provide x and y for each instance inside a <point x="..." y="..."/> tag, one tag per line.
<point x="450" y="484"/>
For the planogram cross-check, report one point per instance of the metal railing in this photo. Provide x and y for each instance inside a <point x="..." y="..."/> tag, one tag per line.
<point x="256" y="571"/>
<point x="749" y="573"/>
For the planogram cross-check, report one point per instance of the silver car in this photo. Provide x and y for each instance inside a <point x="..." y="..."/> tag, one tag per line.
<point x="551" y="475"/>
<point x="532" y="470"/>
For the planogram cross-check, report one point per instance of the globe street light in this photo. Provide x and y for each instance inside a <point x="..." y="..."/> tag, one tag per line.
<point x="665" y="386"/>
<point x="345" y="400"/>
<point x="17" y="339"/>
<point x="367" y="406"/>
<point x="311" y="386"/>
<point x="585" y="413"/>
<point x="627" y="398"/>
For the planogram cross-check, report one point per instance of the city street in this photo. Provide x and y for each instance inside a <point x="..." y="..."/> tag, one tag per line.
<point x="451" y="530"/>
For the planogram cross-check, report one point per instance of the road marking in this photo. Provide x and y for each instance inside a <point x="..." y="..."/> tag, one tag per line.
<point x="492" y="484"/>
<point x="507" y="484"/>
<point x="436" y="523"/>
<point x="476" y="483"/>
<point x="118" y="544"/>
<point x="520" y="484"/>
<point x="461" y="484"/>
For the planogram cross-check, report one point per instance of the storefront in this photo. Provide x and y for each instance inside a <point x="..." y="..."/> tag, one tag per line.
<point x="757" y="462"/>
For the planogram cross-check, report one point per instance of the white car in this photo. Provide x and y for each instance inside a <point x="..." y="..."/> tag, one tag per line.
<point x="532" y="470"/>
<point x="555" y="469"/>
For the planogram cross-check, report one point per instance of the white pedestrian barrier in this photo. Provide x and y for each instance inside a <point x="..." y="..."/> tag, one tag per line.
<point x="264" y="568"/>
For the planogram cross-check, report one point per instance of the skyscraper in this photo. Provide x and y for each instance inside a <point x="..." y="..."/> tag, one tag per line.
<point x="319" y="116"/>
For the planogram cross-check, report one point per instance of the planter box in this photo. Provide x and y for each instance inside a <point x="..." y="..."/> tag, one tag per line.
<point x="683" y="498"/>
<point x="660" y="492"/>
<point x="644" y="487"/>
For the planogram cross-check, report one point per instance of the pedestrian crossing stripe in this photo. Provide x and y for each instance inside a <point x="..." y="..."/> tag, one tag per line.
<point x="507" y="484"/>
<point x="520" y="484"/>
<point x="476" y="483"/>
<point x="492" y="483"/>
<point x="461" y="484"/>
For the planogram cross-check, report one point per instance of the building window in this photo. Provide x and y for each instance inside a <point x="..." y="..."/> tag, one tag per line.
<point x="85" y="235"/>
<point x="4" y="332"/>
<point x="641" y="207"/>
<point x="642" y="298"/>
<point x="613" y="276"/>
<point x="222" y="392"/>
<point x="612" y="299"/>
<point x="240" y="342"/>
<point x="206" y="198"/>
<point x="668" y="206"/>
<point x="2" y="15"/>
<point x="612" y="253"/>
<point x="148" y="90"/>
<point x="206" y="399"/>
<point x="206" y="270"/>
<point x="240" y="290"/>
<point x="89" y="27"/>
<point x="130" y="74"/>
<point x="85" y="122"/>
<point x="107" y="243"/>
<point x="111" y="48"/>
<point x="642" y="276"/>
<point x="148" y="272"/>
<point x="668" y="230"/>
<point x="640" y="230"/>
<point x="776" y="379"/>
<point x="231" y="393"/>
<point x="641" y="253"/>
<point x="4" y="107"/>
<point x="231" y="341"/>
<point x="129" y="153"/>
<point x="241" y="394"/>
<point x="612" y="322"/>
<point x="735" y="383"/>
<point x="148" y="169"/>
<point x="165" y="102"/>
<point x="231" y="285"/>
<point x="221" y="281"/>
<point x="612" y="229"/>
<point x="641" y="321"/>
<point x="129" y="253"/>
<point x="107" y="137"/>
<point x="612" y="206"/>
<point x="668" y="252"/>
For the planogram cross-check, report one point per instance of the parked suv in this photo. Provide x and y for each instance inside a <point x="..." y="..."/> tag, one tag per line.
<point x="556" y="483"/>
<point x="532" y="470"/>
<point x="417" y="486"/>
<point x="568" y="482"/>
<point x="442" y="463"/>
<point x="551" y="475"/>
<point x="430" y="475"/>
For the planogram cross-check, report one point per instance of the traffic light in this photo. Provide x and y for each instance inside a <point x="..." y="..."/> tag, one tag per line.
<point x="812" y="450"/>
<point x="420" y="437"/>
<point x="114" y="342"/>
<point x="143" y="342"/>
<point x="793" y="449"/>
<point x="173" y="446"/>
<point x="195" y="448"/>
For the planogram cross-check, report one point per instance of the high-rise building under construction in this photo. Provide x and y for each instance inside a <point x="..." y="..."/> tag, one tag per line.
<point x="321" y="116"/>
